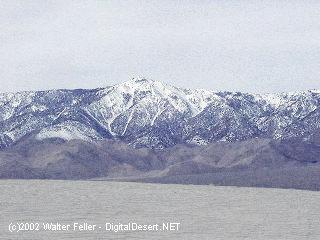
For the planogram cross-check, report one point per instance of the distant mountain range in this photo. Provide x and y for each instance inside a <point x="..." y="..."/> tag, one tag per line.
<point x="144" y="130"/>
<point x="147" y="113"/>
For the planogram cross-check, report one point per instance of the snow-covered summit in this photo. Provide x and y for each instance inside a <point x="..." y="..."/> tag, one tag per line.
<point x="145" y="112"/>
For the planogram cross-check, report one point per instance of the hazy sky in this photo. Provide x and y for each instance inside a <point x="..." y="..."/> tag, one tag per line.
<point x="252" y="46"/>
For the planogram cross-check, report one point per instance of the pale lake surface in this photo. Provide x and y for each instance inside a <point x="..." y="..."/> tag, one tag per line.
<point x="204" y="212"/>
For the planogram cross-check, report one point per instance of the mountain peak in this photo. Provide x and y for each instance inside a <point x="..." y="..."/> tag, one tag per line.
<point x="140" y="84"/>
<point x="141" y="79"/>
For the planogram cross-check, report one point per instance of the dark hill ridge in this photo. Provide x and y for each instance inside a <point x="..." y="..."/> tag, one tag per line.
<point x="147" y="113"/>
<point x="290" y="163"/>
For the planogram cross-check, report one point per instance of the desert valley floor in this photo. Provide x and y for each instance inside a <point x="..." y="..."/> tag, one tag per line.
<point x="204" y="212"/>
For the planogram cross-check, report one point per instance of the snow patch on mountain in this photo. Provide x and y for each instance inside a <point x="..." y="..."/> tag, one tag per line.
<point x="197" y="140"/>
<point x="68" y="130"/>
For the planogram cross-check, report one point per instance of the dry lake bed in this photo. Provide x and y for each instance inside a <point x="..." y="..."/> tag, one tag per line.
<point x="44" y="209"/>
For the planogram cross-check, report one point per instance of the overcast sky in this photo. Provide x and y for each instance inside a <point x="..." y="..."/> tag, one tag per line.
<point x="252" y="46"/>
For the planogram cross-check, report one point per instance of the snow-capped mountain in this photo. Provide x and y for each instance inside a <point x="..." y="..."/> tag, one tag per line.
<point x="147" y="113"/>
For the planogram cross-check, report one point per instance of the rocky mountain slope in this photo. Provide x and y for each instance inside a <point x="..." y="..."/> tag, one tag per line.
<point x="147" y="113"/>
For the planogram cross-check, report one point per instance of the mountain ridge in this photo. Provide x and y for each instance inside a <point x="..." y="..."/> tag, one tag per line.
<point x="144" y="130"/>
<point x="148" y="113"/>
